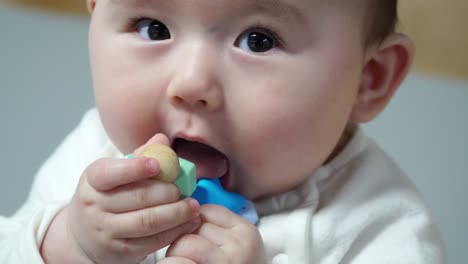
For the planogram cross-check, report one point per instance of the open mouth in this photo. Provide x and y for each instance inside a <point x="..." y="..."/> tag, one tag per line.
<point x="209" y="162"/>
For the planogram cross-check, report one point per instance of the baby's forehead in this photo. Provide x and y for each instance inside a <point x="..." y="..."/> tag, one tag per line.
<point x="277" y="5"/>
<point x="280" y="5"/>
<point x="297" y="9"/>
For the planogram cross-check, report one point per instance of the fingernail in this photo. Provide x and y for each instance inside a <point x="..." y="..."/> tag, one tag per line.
<point x="194" y="205"/>
<point x="152" y="165"/>
<point x="129" y="156"/>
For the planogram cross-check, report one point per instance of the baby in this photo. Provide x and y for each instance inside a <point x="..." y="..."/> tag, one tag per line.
<point x="266" y="96"/>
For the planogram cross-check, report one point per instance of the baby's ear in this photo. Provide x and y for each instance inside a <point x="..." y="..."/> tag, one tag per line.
<point x="90" y="4"/>
<point x="383" y="73"/>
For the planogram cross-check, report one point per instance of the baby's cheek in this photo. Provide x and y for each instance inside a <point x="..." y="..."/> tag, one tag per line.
<point x="125" y="125"/>
<point x="278" y="154"/>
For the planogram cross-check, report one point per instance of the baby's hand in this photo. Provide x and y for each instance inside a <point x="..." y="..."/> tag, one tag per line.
<point x="223" y="237"/>
<point x="119" y="215"/>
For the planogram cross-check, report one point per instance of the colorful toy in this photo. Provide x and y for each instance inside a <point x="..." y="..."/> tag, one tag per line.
<point x="207" y="191"/>
<point x="173" y="169"/>
<point x="210" y="191"/>
<point x="167" y="159"/>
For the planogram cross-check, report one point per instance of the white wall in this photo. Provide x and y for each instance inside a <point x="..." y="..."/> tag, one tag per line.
<point x="45" y="87"/>
<point x="425" y="129"/>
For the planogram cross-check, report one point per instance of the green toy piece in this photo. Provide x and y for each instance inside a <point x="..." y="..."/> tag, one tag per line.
<point x="186" y="180"/>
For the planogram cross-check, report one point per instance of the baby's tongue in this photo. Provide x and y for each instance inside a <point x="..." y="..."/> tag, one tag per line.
<point x="209" y="162"/>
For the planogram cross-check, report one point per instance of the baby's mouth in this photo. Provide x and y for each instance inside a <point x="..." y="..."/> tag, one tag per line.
<point x="209" y="162"/>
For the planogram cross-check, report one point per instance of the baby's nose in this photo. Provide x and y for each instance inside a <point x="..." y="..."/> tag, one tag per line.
<point x="194" y="82"/>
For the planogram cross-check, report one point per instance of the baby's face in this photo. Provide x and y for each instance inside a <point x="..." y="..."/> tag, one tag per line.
<point x="269" y="84"/>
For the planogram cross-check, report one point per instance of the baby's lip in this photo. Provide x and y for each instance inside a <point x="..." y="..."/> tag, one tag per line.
<point x="209" y="162"/>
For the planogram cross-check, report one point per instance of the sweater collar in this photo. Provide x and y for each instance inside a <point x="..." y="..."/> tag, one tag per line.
<point x="308" y="193"/>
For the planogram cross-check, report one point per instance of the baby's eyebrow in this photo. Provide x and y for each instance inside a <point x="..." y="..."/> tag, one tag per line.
<point x="276" y="8"/>
<point x="142" y="3"/>
<point x="280" y="9"/>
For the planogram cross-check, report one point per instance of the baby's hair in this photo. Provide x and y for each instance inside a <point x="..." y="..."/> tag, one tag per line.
<point x="382" y="19"/>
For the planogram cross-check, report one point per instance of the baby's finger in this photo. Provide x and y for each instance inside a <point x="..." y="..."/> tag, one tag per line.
<point x="198" y="249"/>
<point x="221" y="216"/>
<point x="176" y="260"/>
<point x="139" y="195"/>
<point x="215" y="234"/>
<point x="154" y="220"/>
<point x="156" y="139"/>
<point x="107" y="174"/>
<point x="149" y="244"/>
<point x="231" y="233"/>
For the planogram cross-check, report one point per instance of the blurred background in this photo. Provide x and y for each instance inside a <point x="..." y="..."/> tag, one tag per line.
<point x="45" y="87"/>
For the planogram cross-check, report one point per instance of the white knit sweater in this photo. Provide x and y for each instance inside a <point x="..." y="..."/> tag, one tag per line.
<point x="358" y="208"/>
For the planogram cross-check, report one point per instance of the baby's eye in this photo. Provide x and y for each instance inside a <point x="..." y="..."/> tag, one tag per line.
<point x="256" y="41"/>
<point x="150" y="29"/>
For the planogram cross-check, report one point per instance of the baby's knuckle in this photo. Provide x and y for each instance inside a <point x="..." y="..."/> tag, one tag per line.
<point x="149" y="221"/>
<point x="141" y="196"/>
<point x="181" y="211"/>
<point x="247" y="237"/>
<point x="96" y="172"/>
<point x="83" y="198"/>
<point x="107" y="227"/>
<point x="99" y="168"/>
<point x="121" y="247"/>
<point x="189" y="244"/>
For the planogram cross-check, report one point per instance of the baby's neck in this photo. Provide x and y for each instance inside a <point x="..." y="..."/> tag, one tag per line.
<point x="346" y="136"/>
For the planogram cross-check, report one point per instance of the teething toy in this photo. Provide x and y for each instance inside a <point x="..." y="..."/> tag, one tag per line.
<point x="167" y="159"/>
<point x="210" y="191"/>
<point x="173" y="169"/>
<point x="182" y="173"/>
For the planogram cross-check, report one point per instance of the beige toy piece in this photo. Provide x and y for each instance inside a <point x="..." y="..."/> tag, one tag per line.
<point x="167" y="158"/>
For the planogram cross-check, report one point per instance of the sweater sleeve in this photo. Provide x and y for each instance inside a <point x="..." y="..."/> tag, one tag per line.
<point x="383" y="230"/>
<point x="372" y="213"/>
<point x="22" y="234"/>
<point x="409" y="239"/>
<point x="360" y="208"/>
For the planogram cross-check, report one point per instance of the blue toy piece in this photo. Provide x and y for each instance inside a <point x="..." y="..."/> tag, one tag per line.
<point x="210" y="191"/>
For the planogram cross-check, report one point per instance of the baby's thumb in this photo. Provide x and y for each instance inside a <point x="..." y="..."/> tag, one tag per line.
<point x="156" y="139"/>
